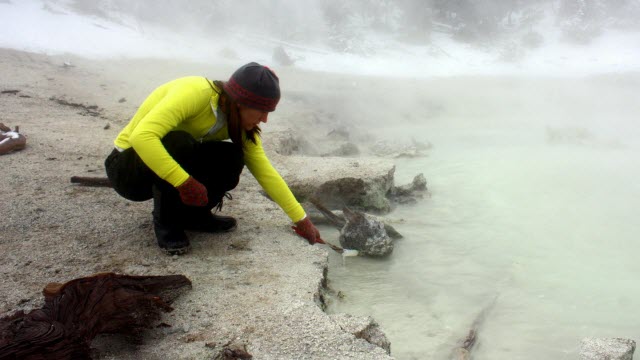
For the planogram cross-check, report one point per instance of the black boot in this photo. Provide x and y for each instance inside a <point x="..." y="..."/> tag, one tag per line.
<point x="168" y="222"/>
<point x="211" y="223"/>
<point x="172" y="240"/>
<point x="201" y="219"/>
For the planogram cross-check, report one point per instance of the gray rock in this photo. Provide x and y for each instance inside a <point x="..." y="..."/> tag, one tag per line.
<point x="344" y="149"/>
<point x="358" y="231"/>
<point x="338" y="134"/>
<point x="409" y="193"/>
<point x="341" y="182"/>
<point x="398" y="149"/>
<point x="607" y="349"/>
<point x="317" y="217"/>
<point x="365" y="328"/>
<point x="364" y="194"/>
<point x="288" y="142"/>
<point x="365" y="234"/>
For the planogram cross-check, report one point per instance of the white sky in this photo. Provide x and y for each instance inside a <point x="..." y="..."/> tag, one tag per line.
<point x="26" y="25"/>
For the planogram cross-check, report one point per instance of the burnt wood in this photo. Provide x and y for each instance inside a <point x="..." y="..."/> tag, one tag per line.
<point x="74" y="313"/>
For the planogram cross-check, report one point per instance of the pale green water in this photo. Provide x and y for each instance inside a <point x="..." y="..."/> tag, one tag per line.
<point x="545" y="228"/>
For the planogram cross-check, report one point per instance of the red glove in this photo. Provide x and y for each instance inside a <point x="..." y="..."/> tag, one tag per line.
<point x="193" y="193"/>
<point x="307" y="230"/>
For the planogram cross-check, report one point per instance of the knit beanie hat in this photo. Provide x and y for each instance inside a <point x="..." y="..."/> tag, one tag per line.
<point x="255" y="86"/>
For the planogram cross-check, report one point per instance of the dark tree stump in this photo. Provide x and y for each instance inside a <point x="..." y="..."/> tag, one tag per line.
<point x="75" y="312"/>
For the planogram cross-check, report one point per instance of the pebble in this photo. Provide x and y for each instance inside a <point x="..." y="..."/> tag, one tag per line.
<point x="206" y="323"/>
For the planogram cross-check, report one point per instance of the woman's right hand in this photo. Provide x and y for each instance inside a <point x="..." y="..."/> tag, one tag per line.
<point x="193" y="193"/>
<point x="307" y="230"/>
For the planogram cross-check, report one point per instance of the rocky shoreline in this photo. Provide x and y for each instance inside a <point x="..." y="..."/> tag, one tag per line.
<point x="259" y="288"/>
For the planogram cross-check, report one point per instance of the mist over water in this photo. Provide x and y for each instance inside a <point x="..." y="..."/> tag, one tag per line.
<point x="531" y="216"/>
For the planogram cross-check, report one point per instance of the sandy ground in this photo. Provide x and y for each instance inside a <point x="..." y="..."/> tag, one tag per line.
<point x="260" y="286"/>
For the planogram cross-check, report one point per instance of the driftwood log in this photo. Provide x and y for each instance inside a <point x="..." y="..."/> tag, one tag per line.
<point x="74" y="313"/>
<point x="466" y="345"/>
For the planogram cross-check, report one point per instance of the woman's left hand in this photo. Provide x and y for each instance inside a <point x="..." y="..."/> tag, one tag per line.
<point x="193" y="193"/>
<point x="307" y="230"/>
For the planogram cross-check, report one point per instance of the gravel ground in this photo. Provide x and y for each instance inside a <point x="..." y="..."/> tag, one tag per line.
<point x="260" y="286"/>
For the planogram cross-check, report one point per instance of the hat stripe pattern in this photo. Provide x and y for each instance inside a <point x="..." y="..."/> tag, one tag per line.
<point x="245" y="97"/>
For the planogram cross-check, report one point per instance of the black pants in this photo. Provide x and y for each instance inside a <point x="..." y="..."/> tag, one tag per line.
<point x="217" y="165"/>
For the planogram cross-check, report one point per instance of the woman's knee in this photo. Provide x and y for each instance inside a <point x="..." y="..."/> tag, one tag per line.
<point x="129" y="177"/>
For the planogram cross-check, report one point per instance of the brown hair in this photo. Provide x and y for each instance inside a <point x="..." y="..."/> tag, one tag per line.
<point x="230" y="108"/>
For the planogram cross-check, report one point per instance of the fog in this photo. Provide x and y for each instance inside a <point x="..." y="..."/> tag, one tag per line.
<point x="409" y="38"/>
<point x="530" y="112"/>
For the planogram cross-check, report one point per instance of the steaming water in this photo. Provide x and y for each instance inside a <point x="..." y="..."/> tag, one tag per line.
<point x="532" y="216"/>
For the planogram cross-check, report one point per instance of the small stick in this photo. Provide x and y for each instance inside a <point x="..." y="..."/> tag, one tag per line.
<point x="337" y="249"/>
<point x="337" y="222"/>
<point x="333" y="218"/>
<point x="91" y="181"/>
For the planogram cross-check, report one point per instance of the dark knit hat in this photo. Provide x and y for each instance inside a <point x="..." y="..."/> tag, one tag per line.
<point x="255" y="86"/>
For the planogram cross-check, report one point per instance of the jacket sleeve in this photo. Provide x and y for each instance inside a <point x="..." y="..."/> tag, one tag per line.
<point x="270" y="180"/>
<point x="177" y="105"/>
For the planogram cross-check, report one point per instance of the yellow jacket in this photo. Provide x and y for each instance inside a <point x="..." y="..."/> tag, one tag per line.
<point x="190" y="104"/>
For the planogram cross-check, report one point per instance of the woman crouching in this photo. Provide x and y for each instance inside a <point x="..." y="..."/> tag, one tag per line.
<point x="173" y="151"/>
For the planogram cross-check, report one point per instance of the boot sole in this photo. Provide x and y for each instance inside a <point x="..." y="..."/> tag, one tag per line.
<point x="177" y="251"/>
<point x="214" y="231"/>
<point x="233" y="228"/>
